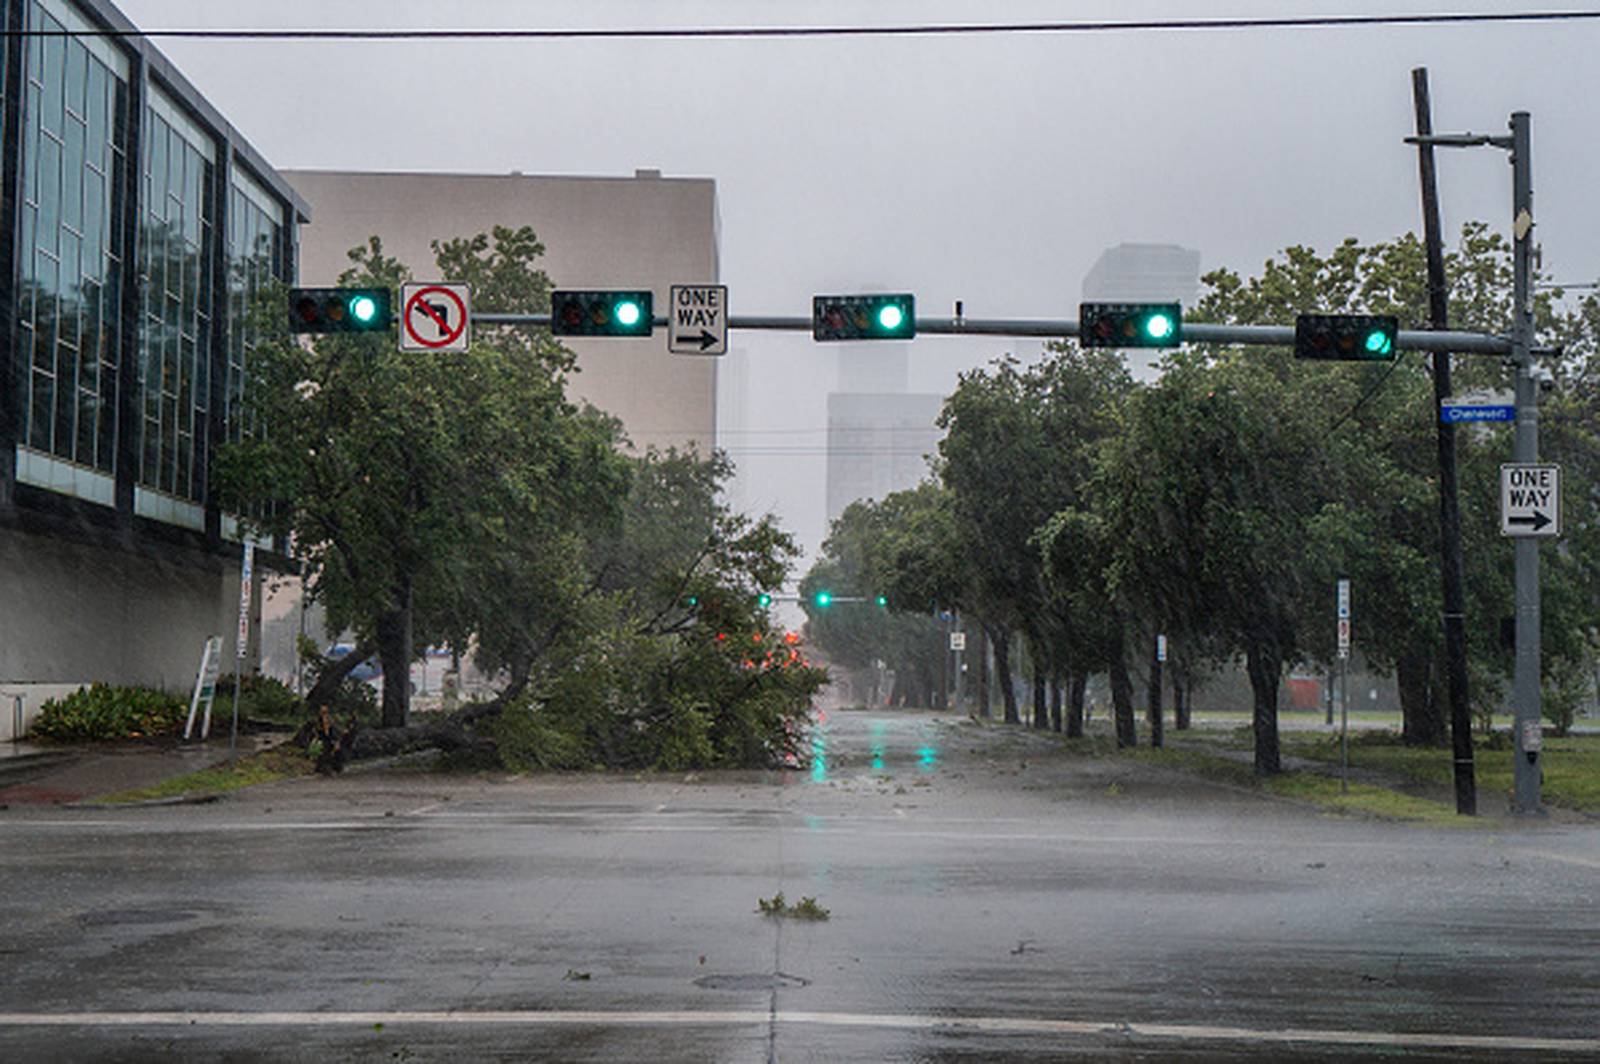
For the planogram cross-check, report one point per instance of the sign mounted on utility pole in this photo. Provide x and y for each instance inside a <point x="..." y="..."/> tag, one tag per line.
<point x="697" y="321"/>
<point x="1344" y="619"/>
<point x="1530" y="499"/>
<point x="958" y="640"/>
<point x="435" y="317"/>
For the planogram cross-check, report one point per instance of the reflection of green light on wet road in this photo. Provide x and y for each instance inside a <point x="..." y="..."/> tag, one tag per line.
<point x="927" y="759"/>
<point x="877" y="759"/>
<point x="819" y="756"/>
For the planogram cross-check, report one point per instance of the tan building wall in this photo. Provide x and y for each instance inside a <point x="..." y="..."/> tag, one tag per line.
<point x="598" y="232"/>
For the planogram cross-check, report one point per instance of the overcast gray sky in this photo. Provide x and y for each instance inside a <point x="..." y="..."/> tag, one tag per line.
<point x="992" y="169"/>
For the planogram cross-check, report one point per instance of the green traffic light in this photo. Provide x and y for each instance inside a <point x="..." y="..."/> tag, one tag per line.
<point x="628" y="314"/>
<point x="1158" y="326"/>
<point x="883" y="601"/>
<point x="891" y="317"/>
<point x="363" y="309"/>
<point x="763" y="600"/>
<point x="822" y="598"/>
<point x="1379" y="342"/>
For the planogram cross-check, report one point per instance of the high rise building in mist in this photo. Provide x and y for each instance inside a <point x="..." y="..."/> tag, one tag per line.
<point x="879" y="434"/>
<point x="1144" y="273"/>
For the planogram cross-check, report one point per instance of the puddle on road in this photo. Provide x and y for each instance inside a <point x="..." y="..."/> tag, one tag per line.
<point x="882" y="756"/>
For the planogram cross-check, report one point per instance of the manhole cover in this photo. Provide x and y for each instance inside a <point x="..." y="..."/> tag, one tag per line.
<point x="763" y="981"/>
<point x="114" y="917"/>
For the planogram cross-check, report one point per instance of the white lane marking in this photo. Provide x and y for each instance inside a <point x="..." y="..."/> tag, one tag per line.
<point x="424" y="810"/>
<point x="991" y="1024"/>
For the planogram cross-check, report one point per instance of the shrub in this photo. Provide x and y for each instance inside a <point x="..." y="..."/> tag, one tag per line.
<point x="262" y="698"/>
<point x="102" y="712"/>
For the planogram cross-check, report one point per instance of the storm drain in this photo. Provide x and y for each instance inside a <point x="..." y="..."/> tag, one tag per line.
<point x="762" y="981"/>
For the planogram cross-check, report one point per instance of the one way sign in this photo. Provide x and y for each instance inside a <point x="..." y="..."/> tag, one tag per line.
<point x="698" y="319"/>
<point x="1530" y="500"/>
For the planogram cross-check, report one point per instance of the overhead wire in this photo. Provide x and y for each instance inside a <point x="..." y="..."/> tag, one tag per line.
<point x="910" y="30"/>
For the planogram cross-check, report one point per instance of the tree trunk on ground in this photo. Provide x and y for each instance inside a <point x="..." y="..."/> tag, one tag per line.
<point x="1265" y="666"/>
<point x="395" y="650"/>
<point x="980" y="658"/>
<point x="351" y="742"/>
<point x="1122" y="695"/>
<point x="1078" y="690"/>
<point x="1421" y="709"/>
<point x="1055" y="703"/>
<point x="1041" y="707"/>
<point x="334" y="674"/>
<point x="1002" y="670"/>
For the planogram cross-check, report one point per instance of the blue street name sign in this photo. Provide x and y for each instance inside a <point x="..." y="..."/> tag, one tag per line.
<point x="1451" y="414"/>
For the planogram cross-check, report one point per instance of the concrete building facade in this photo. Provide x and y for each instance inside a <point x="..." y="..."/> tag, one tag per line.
<point x="138" y="226"/>
<point x="646" y="231"/>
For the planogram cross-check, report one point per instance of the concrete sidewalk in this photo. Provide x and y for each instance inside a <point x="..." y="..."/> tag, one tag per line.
<point x="41" y="774"/>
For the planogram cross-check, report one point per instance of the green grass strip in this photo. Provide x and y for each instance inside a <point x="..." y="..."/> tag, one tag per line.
<point x="267" y="766"/>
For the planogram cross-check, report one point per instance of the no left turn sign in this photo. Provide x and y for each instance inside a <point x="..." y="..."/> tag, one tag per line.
<point x="435" y="317"/>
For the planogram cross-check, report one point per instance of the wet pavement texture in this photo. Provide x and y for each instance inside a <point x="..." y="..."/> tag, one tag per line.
<point x="990" y="897"/>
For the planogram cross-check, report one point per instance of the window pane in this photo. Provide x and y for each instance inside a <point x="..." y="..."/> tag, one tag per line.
<point x="77" y="76"/>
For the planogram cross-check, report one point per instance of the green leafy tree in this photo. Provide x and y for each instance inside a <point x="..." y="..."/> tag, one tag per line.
<point x="396" y="474"/>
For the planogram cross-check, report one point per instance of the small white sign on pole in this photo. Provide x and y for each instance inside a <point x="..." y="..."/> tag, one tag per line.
<point x="245" y="574"/>
<point x="1344" y="619"/>
<point x="958" y="640"/>
<point x="1161" y="648"/>
<point x="1530" y="499"/>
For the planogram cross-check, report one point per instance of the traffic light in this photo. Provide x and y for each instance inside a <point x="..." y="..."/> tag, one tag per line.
<point x="822" y="599"/>
<point x="875" y="317"/>
<point x="339" y="310"/>
<point x="763" y="600"/>
<point x="601" y="313"/>
<point x="1346" y="337"/>
<point x="883" y="602"/>
<point x="1130" y="324"/>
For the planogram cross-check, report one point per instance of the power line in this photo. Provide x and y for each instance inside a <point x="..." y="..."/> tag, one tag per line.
<point x="917" y="30"/>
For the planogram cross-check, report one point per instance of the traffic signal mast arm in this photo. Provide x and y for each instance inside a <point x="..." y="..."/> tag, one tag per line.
<point x="1466" y="343"/>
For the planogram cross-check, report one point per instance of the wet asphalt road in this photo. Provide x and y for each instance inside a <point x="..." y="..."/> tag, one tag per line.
<point x="990" y="898"/>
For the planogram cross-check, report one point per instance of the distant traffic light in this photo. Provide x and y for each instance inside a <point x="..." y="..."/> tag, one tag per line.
<point x="866" y="317"/>
<point x="1346" y="337"/>
<point x="1130" y="324"/>
<point x="883" y="602"/>
<point x="822" y="599"/>
<point x="339" y="310"/>
<point x="601" y="313"/>
<point x="763" y="600"/>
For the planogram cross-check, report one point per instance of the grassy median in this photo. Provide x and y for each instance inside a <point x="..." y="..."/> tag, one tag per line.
<point x="279" y="763"/>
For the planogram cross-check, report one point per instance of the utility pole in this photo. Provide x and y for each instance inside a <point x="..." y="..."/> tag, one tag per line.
<point x="1451" y="566"/>
<point x="1525" y="692"/>
<point x="1529" y="741"/>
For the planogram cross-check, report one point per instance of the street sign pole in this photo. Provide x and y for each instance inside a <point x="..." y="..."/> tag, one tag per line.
<point x="1525" y="685"/>
<point x="1343" y="618"/>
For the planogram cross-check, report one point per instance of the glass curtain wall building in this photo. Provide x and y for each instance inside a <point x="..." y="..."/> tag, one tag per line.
<point x="138" y="226"/>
